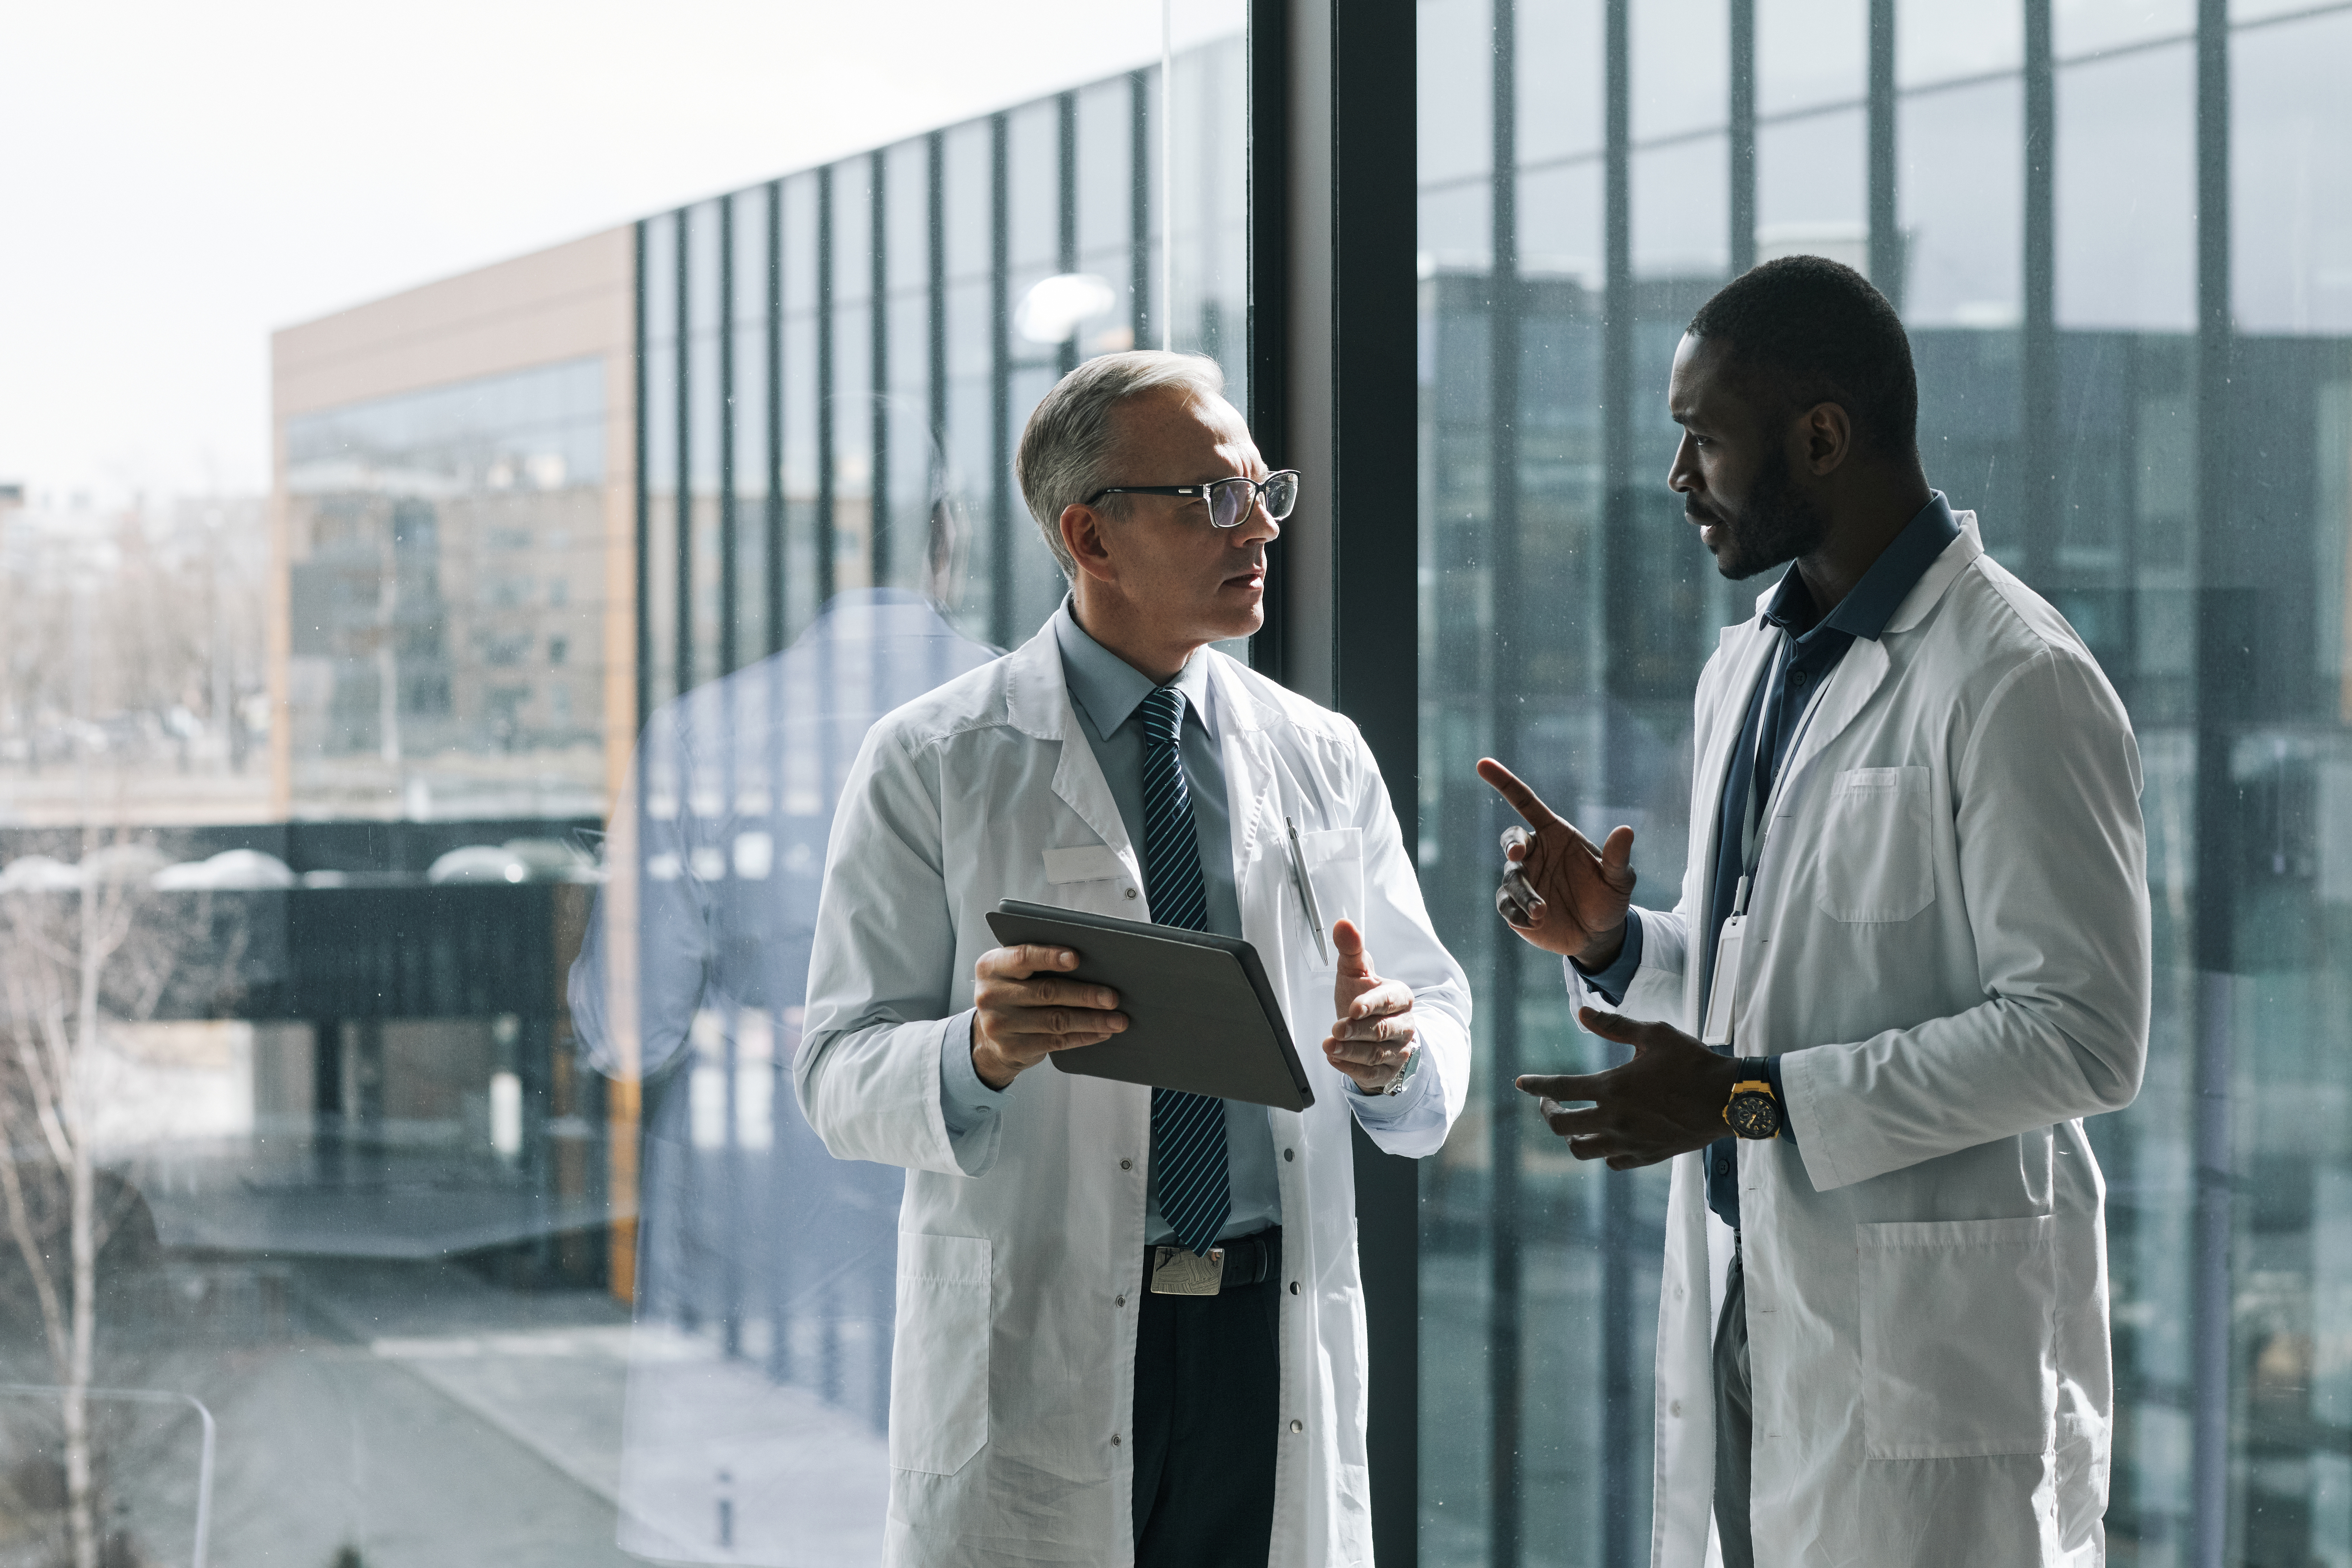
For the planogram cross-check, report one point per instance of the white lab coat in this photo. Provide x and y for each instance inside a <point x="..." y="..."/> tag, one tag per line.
<point x="1013" y="1383"/>
<point x="1949" y="944"/>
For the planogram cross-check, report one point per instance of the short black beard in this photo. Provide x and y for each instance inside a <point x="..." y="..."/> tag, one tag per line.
<point x="1774" y="527"/>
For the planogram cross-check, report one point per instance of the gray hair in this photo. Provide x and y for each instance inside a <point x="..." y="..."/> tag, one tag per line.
<point x="1066" y="445"/>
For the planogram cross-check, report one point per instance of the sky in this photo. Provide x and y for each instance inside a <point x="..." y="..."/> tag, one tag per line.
<point x="177" y="181"/>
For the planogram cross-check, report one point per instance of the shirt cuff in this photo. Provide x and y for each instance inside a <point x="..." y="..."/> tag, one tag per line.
<point x="965" y="1102"/>
<point x="1772" y="1075"/>
<point x="1378" y="1110"/>
<point x="1617" y="978"/>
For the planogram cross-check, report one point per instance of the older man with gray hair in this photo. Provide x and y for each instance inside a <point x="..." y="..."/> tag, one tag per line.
<point x="1055" y="1398"/>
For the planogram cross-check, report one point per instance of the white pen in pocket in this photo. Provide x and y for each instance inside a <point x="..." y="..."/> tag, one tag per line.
<point x="1305" y="886"/>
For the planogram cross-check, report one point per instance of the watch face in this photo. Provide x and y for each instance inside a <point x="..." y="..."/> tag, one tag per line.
<point x="1753" y="1115"/>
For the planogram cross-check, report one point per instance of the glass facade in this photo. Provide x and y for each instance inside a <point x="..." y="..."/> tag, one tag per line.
<point x="346" y="1221"/>
<point x="837" y="365"/>
<point x="877" y="330"/>
<point x="2106" y="229"/>
<point x="446" y="554"/>
<point x="337" y="1229"/>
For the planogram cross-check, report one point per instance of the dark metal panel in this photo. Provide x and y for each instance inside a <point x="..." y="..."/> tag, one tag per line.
<point x="1266" y="313"/>
<point x="1366" y="281"/>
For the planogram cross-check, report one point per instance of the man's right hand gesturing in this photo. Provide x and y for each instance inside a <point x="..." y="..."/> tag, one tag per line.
<point x="1024" y="1014"/>
<point x="1559" y="891"/>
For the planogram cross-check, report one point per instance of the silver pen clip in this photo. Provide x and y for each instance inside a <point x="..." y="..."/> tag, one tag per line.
<point x="1307" y="891"/>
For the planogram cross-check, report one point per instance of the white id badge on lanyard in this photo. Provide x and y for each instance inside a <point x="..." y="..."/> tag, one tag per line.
<point x="1723" y="993"/>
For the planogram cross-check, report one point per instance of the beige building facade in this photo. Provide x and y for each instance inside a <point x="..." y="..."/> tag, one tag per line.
<point x="452" y="545"/>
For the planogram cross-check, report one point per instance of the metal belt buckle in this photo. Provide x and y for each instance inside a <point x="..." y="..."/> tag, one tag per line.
<point x="1181" y="1271"/>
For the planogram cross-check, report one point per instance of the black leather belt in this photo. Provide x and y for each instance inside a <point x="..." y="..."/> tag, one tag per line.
<point x="1245" y="1260"/>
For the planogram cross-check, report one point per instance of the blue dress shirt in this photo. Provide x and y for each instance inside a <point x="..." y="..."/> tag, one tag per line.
<point x="1811" y="645"/>
<point x="1107" y="690"/>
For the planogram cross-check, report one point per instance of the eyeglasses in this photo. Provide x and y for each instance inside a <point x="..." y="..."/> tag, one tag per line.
<point x="1230" y="501"/>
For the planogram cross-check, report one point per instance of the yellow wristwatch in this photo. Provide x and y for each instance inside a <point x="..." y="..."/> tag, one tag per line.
<point x="1753" y="1110"/>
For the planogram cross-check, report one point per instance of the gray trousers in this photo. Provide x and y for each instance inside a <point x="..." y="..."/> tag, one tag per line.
<point x="1735" y="1422"/>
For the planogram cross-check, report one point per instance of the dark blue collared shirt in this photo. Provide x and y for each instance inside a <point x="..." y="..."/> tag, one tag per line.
<point x="1807" y="655"/>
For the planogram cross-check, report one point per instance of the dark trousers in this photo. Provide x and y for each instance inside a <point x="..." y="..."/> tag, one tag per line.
<point x="1735" y="1422"/>
<point x="1208" y="1412"/>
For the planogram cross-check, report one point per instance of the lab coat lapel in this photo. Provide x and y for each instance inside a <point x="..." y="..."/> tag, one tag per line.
<point x="1251" y="770"/>
<point x="1863" y="669"/>
<point x="1037" y="703"/>
<point x="1858" y="678"/>
<point x="1748" y="647"/>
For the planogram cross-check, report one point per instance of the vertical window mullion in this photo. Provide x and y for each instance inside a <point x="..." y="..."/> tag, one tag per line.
<point x="1000" y="331"/>
<point x="642" y="498"/>
<point x="774" y="558"/>
<point x="1885" y="241"/>
<point x="878" y="540"/>
<point x="1743" y="135"/>
<point x="1139" y="207"/>
<point x="936" y="310"/>
<point x="2038" y="425"/>
<point x="729" y="563"/>
<point x="683" y="544"/>
<point x="1506" y="1364"/>
<point x="825" y="410"/>
<point x="1619" y="1342"/>
<point x="1065" y="357"/>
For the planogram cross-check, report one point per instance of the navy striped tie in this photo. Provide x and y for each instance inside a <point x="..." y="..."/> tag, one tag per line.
<point x="1188" y="1131"/>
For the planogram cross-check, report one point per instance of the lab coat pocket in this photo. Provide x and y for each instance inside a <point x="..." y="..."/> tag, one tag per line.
<point x="1335" y="865"/>
<point x="1091" y="877"/>
<point x="1957" y="1338"/>
<point x="938" y="1364"/>
<point x="1875" y="863"/>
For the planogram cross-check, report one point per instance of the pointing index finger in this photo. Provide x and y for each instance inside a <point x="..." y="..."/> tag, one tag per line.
<point x="1522" y="799"/>
<point x="1564" y="1086"/>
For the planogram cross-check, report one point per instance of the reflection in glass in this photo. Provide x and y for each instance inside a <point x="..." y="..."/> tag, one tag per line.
<point x="2190" y="522"/>
<point x="391" y="1255"/>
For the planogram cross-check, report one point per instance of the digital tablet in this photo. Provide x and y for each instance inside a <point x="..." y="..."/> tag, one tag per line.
<point x="1200" y="1016"/>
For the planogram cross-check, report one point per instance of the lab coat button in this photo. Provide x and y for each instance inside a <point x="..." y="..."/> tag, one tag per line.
<point x="1293" y="1286"/>
<point x="1298" y="1426"/>
<point x="1289" y="1154"/>
<point x="1127" y="1164"/>
<point x="1114" y="1439"/>
<point x="1118" y="1301"/>
<point x="1130" y="892"/>
<point x="1674" y="1407"/>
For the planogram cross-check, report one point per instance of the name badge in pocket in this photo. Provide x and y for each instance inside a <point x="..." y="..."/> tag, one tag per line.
<point x="1724" y="992"/>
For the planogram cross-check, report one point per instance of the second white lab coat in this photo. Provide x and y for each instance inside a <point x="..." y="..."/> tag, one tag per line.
<point x="1949" y="944"/>
<point x="1019" y="1262"/>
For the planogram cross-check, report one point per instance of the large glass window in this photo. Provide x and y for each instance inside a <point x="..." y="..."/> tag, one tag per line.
<point x="347" y="1219"/>
<point x="2152" y="434"/>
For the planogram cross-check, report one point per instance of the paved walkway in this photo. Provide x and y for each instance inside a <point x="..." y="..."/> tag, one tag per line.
<point x="694" y="1456"/>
